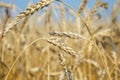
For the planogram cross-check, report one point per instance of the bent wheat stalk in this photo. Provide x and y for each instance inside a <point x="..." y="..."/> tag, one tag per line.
<point x="20" y="54"/>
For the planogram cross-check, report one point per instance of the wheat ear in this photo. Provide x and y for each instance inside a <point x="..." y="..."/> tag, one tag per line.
<point x="30" y="10"/>
<point x="82" y="6"/>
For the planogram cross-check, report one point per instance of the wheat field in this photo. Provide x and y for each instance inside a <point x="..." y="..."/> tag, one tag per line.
<point x="50" y="40"/>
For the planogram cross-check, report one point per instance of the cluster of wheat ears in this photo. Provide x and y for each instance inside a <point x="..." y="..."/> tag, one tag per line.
<point x="60" y="42"/>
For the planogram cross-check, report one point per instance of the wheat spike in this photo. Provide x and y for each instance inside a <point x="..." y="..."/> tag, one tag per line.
<point x="67" y="34"/>
<point x="94" y="10"/>
<point x="67" y="49"/>
<point x="82" y="6"/>
<point x="30" y="10"/>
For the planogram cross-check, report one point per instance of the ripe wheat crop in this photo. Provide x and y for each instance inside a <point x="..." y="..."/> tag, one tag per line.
<point x="42" y="43"/>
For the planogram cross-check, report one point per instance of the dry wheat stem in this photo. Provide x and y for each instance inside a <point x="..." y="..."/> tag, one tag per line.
<point x="114" y="55"/>
<point x="63" y="17"/>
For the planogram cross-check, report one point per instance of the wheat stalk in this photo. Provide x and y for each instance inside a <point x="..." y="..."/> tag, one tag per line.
<point x="63" y="17"/>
